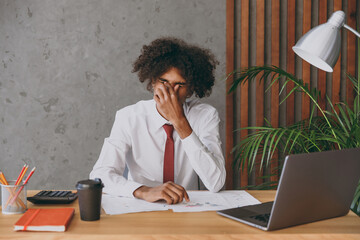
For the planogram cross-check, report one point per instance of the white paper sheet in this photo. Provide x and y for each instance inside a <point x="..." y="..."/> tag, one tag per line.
<point x="199" y="201"/>
<point x="118" y="205"/>
<point x="207" y="201"/>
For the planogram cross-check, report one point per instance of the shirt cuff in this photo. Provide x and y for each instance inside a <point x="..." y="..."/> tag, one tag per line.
<point x="124" y="190"/>
<point x="131" y="187"/>
<point x="192" y="143"/>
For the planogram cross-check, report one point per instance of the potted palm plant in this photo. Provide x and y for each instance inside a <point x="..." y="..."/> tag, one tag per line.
<point x="338" y="128"/>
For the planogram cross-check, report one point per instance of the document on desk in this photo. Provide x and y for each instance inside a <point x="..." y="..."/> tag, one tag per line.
<point x="207" y="201"/>
<point x="118" y="205"/>
<point x="199" y="201"/>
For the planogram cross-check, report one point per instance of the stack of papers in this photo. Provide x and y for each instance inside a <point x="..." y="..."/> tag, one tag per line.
<point x="199" y="201"/>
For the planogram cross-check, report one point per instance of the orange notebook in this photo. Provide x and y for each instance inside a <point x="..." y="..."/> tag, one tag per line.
<point x="51" y="219"/>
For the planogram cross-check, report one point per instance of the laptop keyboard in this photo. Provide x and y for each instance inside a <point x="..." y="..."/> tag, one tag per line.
<point x="262" y="217"/>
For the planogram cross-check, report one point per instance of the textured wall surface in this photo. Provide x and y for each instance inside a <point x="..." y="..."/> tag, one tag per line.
<point x="65" y="69"/>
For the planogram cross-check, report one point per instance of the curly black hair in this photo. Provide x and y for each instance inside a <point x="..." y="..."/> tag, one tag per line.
<point x="195" y="64"/>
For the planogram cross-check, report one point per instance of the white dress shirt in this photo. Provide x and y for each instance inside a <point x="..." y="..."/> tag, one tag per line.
<point x="137" y="140"/>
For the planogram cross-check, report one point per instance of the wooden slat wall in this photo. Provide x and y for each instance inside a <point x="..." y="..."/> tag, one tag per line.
<point x="263" y="32"/>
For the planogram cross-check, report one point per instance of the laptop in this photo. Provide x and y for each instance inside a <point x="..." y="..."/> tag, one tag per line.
<point x="312" y="187"/>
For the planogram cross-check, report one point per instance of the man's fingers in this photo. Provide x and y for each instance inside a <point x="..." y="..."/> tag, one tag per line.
<point x="167" y="197"/>
<point x="185" y="194"/>
<point x="164" y="88"/>
<point x="173" y="192"/>
<point x="173" y="92"/>
<point x="159" y="94"/>
<point x="156" y="98"/>
<point x="180" y="190"/>
<point x="170" y="89"/>
<point x="187" y="197"/>
<point x="176" y="88"/>
<point x="175" y="197"/>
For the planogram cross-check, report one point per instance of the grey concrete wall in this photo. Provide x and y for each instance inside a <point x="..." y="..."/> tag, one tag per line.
<point x="66" y="69"/>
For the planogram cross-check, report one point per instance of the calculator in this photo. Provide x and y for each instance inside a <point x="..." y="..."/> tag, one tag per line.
<point x="52" y="197"/>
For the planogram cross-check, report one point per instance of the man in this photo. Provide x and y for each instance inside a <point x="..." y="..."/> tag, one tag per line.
<point x="169" y="141"/>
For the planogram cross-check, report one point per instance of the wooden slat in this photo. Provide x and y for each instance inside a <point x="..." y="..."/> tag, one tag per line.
<point x="321" y="73"/>
<point x="351" y="54"/>
<point x="290" y="106"/>
<point x="343" y="66"/>
<point x="283" y="59"/>
<point x="229" y="97"/>
<point x="237" y="100"/>
<point x="275" y="60"/>
<point x="298" y="61"/>
<point x="313" y="69"/>
<point x="260" y="31"/>
<point x="244" y="88"/>
<point x="329" y="75"/>
<point x="337" y="67"/>
<point x="305" y="65"/>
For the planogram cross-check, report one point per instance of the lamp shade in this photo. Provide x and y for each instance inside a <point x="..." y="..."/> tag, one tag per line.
<point x="321" y="45"/>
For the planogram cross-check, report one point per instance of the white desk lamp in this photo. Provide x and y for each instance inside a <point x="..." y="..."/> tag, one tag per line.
<point x="321" y="45"/>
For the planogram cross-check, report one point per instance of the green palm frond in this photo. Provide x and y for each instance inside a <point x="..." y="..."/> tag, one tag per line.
<point x="274" y="73"/>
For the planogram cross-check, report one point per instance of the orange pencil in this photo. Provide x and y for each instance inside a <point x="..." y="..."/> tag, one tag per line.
<point x="2" y="176"/>
<point x="22" y="171"/>
<point x="22" y="175"/>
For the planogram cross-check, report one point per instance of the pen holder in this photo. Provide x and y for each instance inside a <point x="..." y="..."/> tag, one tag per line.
<point x="13" y="198"/>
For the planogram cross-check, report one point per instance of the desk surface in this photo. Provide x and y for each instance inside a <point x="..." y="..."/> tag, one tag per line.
<point x="169" y="225"/>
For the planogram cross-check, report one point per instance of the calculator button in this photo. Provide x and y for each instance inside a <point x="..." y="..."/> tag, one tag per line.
<point x="40" y="193"/>
<point x="53" y="194"/>
<point x="57" y="193"/>
<point x="47" y="193"/>
<point x="63" y="194"/>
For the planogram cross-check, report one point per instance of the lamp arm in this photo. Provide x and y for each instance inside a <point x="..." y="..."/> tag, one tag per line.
<point x="352" y="30"/>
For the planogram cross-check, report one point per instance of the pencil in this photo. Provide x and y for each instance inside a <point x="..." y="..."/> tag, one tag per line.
<point x="29" y="176"/>
<point x="2" y="176"/>
<point x="21" y="173"/>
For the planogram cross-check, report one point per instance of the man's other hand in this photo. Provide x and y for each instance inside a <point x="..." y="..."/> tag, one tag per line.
<point x="171" y="192"/>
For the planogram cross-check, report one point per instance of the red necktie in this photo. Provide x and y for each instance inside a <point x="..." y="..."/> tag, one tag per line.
<point x="169" y="154"/>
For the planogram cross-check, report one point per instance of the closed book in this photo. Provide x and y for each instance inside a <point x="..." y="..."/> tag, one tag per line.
<point x="50" y="219"/>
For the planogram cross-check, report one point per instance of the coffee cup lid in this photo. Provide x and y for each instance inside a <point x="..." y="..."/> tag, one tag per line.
<point x="89" y="183"/>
